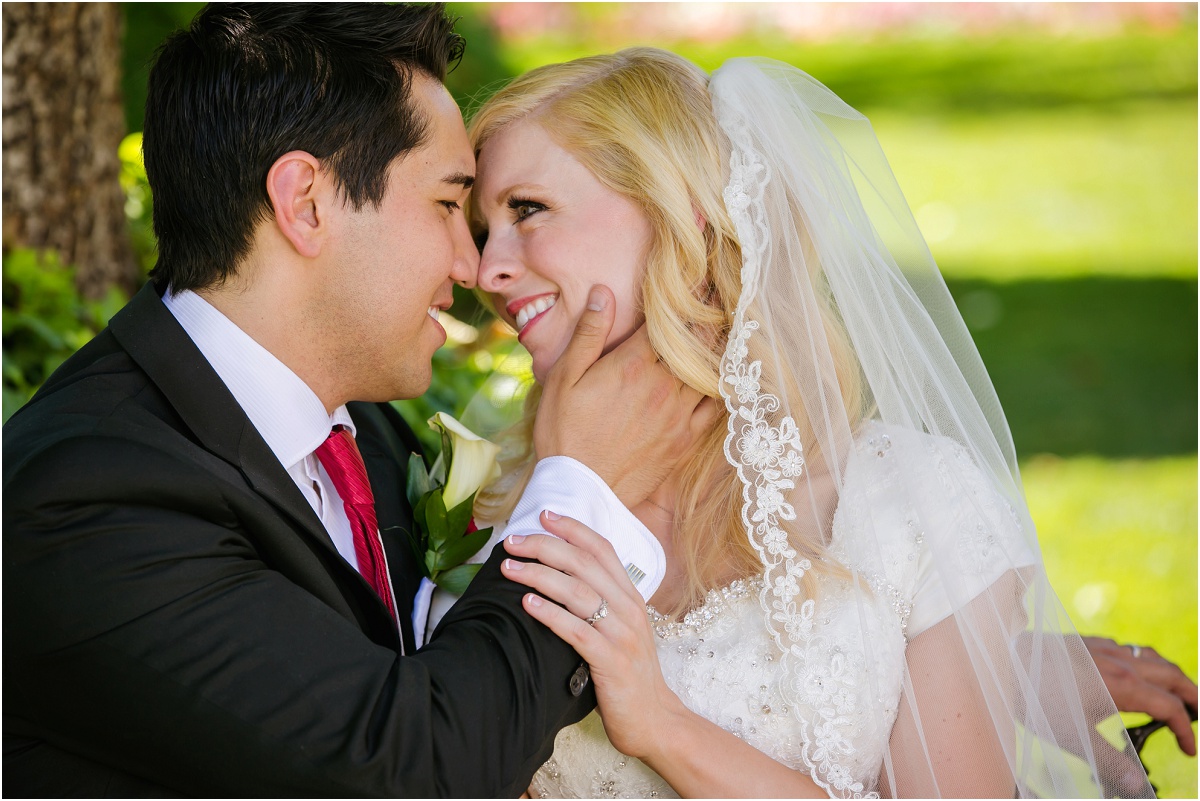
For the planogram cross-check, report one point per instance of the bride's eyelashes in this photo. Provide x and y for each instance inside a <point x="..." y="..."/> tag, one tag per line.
<point x="521" y="208"/>
<point x="524" y="208"/>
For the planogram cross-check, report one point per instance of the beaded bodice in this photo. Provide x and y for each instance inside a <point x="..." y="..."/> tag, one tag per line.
<point x="723" y="663"/>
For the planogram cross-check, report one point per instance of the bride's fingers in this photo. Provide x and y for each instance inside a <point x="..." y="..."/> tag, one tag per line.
<point x="577" y="596"/>
<point x="579" y="551"/>
<point x="569" y="606"/>
<point x="585" y="639"/>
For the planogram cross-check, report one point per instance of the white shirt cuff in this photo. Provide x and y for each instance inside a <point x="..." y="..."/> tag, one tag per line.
<point x="567" y="487"/>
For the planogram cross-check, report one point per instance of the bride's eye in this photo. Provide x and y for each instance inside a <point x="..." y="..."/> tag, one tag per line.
<point x="523" y="209"/>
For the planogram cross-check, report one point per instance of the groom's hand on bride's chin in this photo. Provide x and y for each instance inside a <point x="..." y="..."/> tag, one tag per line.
<point x="622" y="414"/>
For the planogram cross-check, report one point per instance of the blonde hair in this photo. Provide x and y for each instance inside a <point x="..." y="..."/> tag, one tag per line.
<point x="641" y="121"/>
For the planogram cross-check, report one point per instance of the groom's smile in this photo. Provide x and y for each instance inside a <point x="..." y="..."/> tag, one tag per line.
<point x="398" y="262"/>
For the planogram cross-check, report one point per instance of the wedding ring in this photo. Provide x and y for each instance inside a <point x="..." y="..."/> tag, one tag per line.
<point x="601" y="613"/>
<point x="1136" y="650"/>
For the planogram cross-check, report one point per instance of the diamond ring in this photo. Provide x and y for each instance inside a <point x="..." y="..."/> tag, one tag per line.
<point x="600" y="614"/>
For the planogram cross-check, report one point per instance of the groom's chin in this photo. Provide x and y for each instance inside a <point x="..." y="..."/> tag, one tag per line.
<point x="410" y="382"/>
<point x="415" y="384"/>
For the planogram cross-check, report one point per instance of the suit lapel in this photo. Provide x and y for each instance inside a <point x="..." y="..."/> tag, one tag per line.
<point x="160" y="346"/>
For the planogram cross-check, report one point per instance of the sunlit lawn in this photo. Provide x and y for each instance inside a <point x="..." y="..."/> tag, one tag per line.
<point x="1052" y="193"/>
<point x="1119" y="540"/>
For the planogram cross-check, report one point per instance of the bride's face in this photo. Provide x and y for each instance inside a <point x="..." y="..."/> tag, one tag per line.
<point x="552" y="232"/>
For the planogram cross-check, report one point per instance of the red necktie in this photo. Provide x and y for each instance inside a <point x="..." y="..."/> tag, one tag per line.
<point x="344" y="464"/>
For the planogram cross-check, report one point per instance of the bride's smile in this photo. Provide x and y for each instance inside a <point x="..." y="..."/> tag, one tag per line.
<point x="548" y="230"/>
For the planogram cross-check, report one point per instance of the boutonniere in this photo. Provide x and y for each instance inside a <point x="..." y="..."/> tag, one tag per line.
<point x="444" y="535"/>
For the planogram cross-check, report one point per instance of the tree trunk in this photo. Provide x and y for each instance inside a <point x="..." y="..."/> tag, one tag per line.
<point x="63" y="123"/>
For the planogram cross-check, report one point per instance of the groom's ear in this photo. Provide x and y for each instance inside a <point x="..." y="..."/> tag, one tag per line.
<point x="296" y="186"/>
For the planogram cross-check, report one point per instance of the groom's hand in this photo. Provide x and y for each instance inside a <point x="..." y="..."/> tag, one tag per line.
<point x="622" y="414"/>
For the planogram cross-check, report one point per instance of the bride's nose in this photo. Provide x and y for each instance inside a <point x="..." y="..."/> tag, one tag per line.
<point x="498" y="266"/>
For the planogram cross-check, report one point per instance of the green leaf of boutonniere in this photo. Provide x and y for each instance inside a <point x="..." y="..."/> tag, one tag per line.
<point x="441" y="538"/>
<point x="419" y="482"/>
<point x="436" y="523"/>
<point x="458" y="518"/>
<point x="456" y="579"/>
<point x="458" y="551"/>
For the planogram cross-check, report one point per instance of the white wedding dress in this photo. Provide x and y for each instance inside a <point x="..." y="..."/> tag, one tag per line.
<point x="723" y="664"/>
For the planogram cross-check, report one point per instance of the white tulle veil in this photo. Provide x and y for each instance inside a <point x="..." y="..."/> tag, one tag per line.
<point x="838" y="288"/>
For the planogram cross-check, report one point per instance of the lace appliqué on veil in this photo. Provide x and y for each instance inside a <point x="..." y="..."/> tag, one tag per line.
<point x="765" y="449"/>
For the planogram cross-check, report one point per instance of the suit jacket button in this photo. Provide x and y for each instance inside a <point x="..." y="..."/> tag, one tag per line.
<point x="579" y="679"/>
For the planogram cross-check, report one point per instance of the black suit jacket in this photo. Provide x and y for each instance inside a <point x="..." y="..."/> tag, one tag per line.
<point x="177" y="620"/>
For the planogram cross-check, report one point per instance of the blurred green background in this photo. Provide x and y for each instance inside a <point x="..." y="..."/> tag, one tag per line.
<point x="1049" y="153"/>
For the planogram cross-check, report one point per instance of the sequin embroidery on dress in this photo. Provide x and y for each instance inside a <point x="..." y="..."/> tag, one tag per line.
<point x="723" y="663"/>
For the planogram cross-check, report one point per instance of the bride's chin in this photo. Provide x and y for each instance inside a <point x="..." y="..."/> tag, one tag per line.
<point x="540" y="369"/>
<point x="544" y="358"/>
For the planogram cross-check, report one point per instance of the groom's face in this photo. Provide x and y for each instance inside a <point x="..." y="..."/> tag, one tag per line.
<point x="397" y="263"/>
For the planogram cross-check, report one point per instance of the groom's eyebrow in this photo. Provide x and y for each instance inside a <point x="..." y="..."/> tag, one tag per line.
<point x="465" y="180"/>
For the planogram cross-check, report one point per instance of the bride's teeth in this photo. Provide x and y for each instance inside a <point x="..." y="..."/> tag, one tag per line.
<point x="533" y="309"/>
<point x="433" y="312"/>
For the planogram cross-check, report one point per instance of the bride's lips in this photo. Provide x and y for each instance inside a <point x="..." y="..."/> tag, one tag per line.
<point x="515" y="306"/>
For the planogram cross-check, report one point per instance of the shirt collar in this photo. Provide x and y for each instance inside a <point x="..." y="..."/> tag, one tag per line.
<point x="285" y="411"/>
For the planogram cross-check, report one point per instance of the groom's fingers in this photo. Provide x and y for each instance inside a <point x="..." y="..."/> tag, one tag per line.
<point x="587" y="343"/>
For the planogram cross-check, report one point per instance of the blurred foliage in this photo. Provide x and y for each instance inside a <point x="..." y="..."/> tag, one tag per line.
<point x="479" y="367"/>
<point x="139" y="204"/>
<point x="146" y="26"/>
<point x="45" y="320"/>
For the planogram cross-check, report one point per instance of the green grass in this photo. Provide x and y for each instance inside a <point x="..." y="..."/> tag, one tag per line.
<point x="1103" y="366"/>
<point x="1052" y="193"/>
<point x="1119" y="540"/>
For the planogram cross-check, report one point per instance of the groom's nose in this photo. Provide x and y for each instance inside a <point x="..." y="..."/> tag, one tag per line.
<point x="466" y="256"/>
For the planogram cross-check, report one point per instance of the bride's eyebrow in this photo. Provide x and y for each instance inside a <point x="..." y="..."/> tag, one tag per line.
<point x="518" y="190"/>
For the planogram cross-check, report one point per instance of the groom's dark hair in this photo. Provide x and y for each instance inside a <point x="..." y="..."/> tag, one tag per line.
<point x="248" y="82"/>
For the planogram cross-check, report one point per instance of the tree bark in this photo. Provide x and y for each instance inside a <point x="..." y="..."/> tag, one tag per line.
<point x="63" y="123"/>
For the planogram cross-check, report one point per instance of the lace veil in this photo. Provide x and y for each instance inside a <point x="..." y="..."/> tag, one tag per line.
<point x="848" y="358"/>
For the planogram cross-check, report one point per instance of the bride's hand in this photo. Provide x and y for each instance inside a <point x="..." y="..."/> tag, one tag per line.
<point x="578" y="571"/>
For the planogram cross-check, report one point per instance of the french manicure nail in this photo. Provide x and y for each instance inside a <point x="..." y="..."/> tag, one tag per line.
<point x="552" y="515"/>
<point x="513" y="564"/>
<point x="597" y="300"/>
<point x="516" y="539"/>
<point x="534" y="600"/>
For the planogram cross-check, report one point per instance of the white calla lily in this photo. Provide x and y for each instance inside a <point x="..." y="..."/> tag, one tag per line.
<point x="473" y="462"/>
